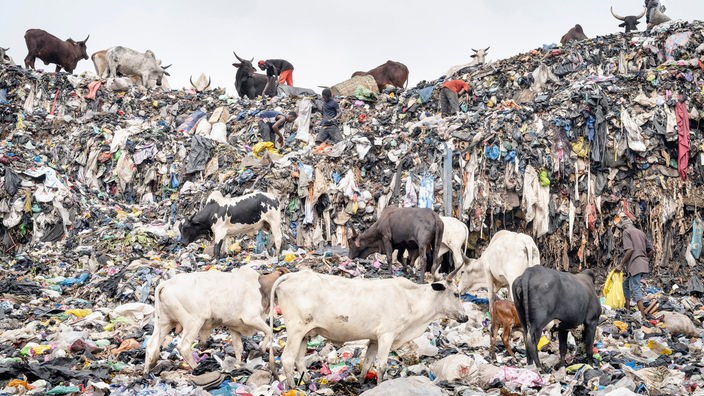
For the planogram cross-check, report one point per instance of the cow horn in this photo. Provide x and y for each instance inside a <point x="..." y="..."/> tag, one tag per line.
<point x="238" y="58"/>
<point x="193" y="85"/>
<point x="487" y="48"/>
<point x="642" y="14"/>
<point x="86" y="38"/>
<point x="5" y="49"/>
<point x="456" y="270"/>
<point x="207" y="86"/>
<point x="473" y="49"/>
<point x="619" y="17"/>
<point x="166" y="67"/>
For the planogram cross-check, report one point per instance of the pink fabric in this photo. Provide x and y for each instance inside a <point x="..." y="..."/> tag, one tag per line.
<point x="683" y="134"/>
<point x="93" y="89"/>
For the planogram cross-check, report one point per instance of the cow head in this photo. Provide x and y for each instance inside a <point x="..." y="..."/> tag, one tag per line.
<point x="80" y="47"/>
<point x="470" y="276"/>
<point x="200" y="85"/>
<point x="480" y="56"/>
<point x="448" y="302"/>
<point x="245" y="67"/>
<point x="358" y="248"/>
<point x="629" y="22"/>
<point x="190" y="230"/>
<point x="161" y="73"/>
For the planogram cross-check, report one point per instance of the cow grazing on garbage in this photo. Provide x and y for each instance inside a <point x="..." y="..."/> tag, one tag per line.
<point x="629" y="22"/>
<point x="655" y="13"/>
<point x="402" y="227"/>
<point x="342" y="309"/>
<point x="200" y="301"/>
<point x="51" y="49"/>
<point x="223" y="216"/>
<point x="574" y="34"/>
<point x="479" y="58"/>
<point x="503" y="316"/>
<point x="507" y="257"/>
<point x="5" y="58"/>
<point x="127" y="62"/>
<point x="248" y="82"/>
<point x="200" y="85"/>
<point x="544" y="294"/>
<point x="100" y="62"/>
<point x="390" y="73"/>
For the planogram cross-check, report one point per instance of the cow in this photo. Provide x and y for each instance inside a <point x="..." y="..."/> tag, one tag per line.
<point x="402" y="227"/>
<point x="503" y="316"/>
<point x="574" y="34"/>
<point x="223" y="216"/>
<point x="5" y="58"/>
<point x="655" y="13"/>
<point x="247" y="82"/>
<point x="543" y="294"/>
<point x="51" y="49"/>
<point x="197" y="302"/>
<point x="479" y="58"/>
<point x="342" y="309"/>
<point x="390" y="73"/>
<point x="100" y="62"/>
<point x="629" y="22"/>
<point x="128" y="62"/>
<point x="200" y="85"/>
<point x="507" y="256"/>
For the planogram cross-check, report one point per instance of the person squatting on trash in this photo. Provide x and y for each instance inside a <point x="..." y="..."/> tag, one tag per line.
<point x="637" y="251"/>
<point x="328" y="126"/>
<point x="271" y="125"/>
<point x="449" y="96"/>
<point x="280" y="68"/>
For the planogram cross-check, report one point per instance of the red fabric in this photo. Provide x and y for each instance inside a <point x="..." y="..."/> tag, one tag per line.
<point x="628" y="212"/>
<point x="456" y="85"/>
<point x="683" y="135"/>
<point x="286" y="77"/>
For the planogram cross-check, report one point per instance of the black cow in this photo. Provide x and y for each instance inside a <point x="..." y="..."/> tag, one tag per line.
<point x="223" y="216"/>
<point x="542" y="294"/>
<point x="247" y="82"/>
<point x="390" y="73"/>
<point x="629" y="22"/>
<point x="416" y="229"/>
<point x="51" y="49"/>
<point x="574" y="34"/>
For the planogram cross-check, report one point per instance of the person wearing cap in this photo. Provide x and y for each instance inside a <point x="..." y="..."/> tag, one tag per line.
<point x="637" y="251"/>
<point x="271" y="125"/>
<point x="281" y="69"/>
<point x="449" y="96"/>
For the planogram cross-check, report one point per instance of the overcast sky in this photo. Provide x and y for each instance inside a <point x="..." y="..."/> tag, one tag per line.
<point x="325" y="40"/>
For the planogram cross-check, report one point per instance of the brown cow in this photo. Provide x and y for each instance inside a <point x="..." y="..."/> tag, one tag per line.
<point x="51" y="49"/>
<point x="504" y="316"/>
<point x="574" y="34"/>
<point x="390" y="73"/>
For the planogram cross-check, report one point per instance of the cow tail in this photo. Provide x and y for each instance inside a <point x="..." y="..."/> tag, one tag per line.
<point x="406" y="84"/>
<point x="272" y="304"/>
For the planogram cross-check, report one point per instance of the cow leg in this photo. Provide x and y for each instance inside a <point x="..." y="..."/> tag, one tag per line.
<point x="190" y="331"/>
<point x="301" y="360"/>
<point x="236" y="341"/>
<point x="29" y="61"/>
<point x="58" y="68"/>
<point x="204" y="333"/>
<point x="389" y="250"/>
<point x="259" y="324"/>
<point x="589" y="332"/>
<point x="219" y="235"/>
<point x="369" y="358"/>
<point x="161" y="329"/>
<point x="423" y="255"/>
<point x="494" y="331"/>
<point x="384" y="347"/>
<point x="505" y="337"/>
<point x="532" y="345"/>
<point x="290" y="354"/>
<point x="562" y="339"/>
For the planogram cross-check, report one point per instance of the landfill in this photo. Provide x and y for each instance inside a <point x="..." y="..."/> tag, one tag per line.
<point x="553" y="142"/>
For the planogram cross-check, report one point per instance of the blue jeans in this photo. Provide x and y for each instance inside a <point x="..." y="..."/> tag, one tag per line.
<point x="632" y="288"/>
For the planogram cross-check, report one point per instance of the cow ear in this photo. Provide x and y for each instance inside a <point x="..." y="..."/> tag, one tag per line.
<point x="437" y="286"/>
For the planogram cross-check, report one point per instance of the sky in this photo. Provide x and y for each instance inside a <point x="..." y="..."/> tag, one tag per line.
<point x="326" y="41"/>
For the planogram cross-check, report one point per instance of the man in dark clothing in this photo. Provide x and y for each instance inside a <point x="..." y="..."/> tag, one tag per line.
<point x="271" y="124"/>
<point x="328" y="126"/>
<point x="637" y="251"/>
<point x="449" y="96"/>
<point x="281" y="69"/>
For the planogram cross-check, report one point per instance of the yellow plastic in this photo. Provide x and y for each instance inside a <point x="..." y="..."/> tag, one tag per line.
<point x="613" y="290"/>
<point x="289" y="257"/>
<point x="543" y="342"/>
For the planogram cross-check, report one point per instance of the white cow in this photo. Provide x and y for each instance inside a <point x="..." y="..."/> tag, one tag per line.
<point x="479" y="59"/>
<point x="5" y="58"/>
<point x="505" y="259"/>
<point x="454" y="239"/>
<point x="200" y="301"/>
<point x="387" y="312"/>
<point x="130" y="62"/>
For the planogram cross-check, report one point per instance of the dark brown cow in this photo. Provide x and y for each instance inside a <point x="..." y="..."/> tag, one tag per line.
<point x="574" y="34"/>
<point x="51" y="49"/>
<point x="390" y="73"/>
<point x="402" y="227"/>
<point x="503" y="316"/>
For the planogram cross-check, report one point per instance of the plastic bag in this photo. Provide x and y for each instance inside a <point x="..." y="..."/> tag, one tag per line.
<point x="613" y="290"/>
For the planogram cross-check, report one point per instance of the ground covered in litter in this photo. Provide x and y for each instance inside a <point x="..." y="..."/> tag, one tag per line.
<point x="553" y="142"/>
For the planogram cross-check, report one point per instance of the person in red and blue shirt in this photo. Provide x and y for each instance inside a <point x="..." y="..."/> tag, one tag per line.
<point x="449" y="96"/>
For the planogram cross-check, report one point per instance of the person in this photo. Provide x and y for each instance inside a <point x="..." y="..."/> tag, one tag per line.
<point x="637" y="250"/>
<point x="271" y="124"/>
<point x="449" y="96"/>
<point x="328" y="126"/>
<point x="279" y="68"/>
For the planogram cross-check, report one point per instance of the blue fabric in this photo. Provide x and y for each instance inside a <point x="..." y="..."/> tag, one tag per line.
<point x="695" y="245"/>
<point x="631" y="285"/>
<point x="474" y="299"/>
<point x="426" y="93"/>
<point x="426" y="194"/>
<point x="330" y="109"/>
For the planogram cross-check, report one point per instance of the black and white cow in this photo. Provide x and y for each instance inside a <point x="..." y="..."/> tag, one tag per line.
<point x="223" y="216"/>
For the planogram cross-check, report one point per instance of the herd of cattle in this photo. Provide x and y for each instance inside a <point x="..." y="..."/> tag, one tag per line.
<point x="343" y="309"/>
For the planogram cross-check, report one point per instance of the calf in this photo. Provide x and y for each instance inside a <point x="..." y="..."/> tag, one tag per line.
<point x="503" y="316"/>
<point x="387" y="312"/>
<point x="223" y="216"/>
<point x="402" y="227"/>
<point x="266" y="282"/>
<point x="199" y="301"/>
<point x="543" y="294"/>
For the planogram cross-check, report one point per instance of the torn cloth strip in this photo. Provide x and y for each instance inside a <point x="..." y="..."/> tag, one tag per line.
<point x="683" y="138"/>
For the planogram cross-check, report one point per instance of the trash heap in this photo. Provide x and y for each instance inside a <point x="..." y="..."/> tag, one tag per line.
<point x="554" y="143"/>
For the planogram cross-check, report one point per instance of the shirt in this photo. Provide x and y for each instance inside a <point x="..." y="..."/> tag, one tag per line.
<point x="269" y="116"/>
<point x="330" y="110"/>
<point x="635" y="240"/>
<point x="456" y="85"/>
<point x="274" y="67"/>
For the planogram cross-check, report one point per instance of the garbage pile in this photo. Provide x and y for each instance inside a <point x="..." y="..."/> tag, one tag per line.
<point x="97" y="174"/>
